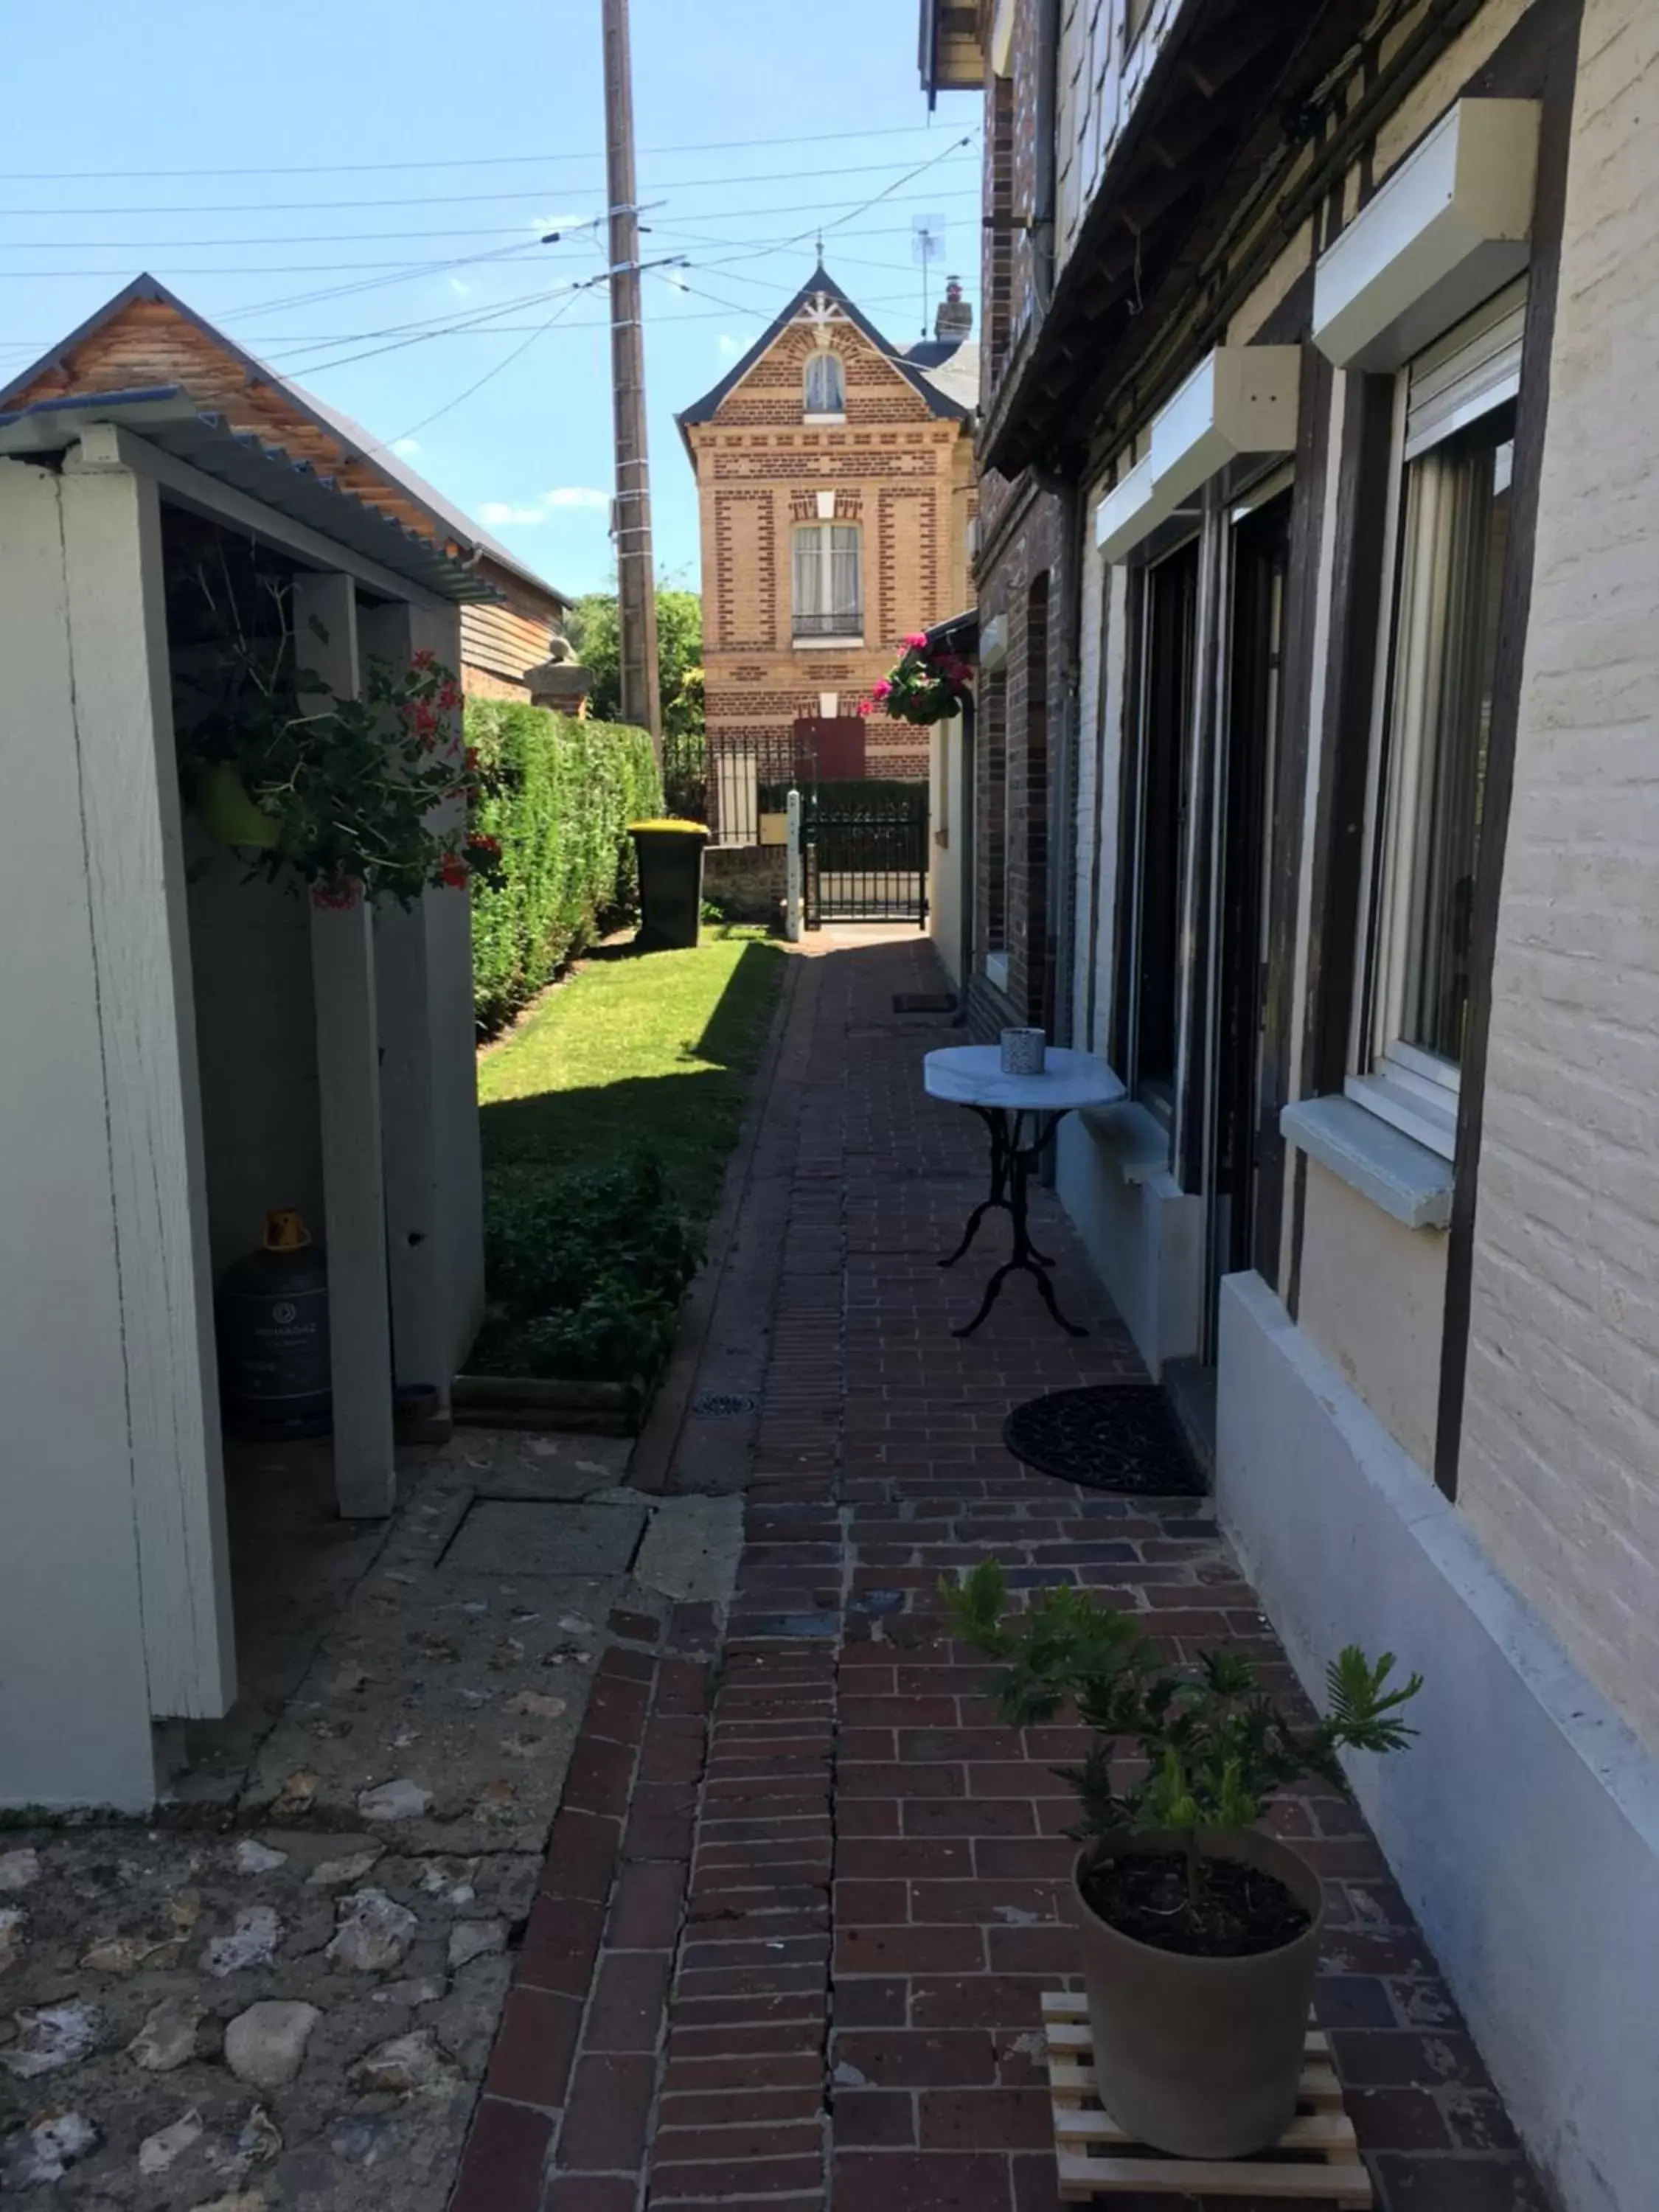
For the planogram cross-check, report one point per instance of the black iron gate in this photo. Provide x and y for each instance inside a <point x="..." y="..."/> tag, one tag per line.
<point x="865" y="854"/>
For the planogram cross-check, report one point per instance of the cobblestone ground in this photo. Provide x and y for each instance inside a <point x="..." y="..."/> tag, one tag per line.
<point x="284" y="1991"/>
<point x="803" y="1895"/>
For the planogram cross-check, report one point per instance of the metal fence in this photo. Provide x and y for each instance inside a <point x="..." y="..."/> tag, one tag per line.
<point x="748" y="778"/>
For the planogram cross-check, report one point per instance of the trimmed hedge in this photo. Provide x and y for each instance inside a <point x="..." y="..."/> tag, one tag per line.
<point x="559" y="794"/>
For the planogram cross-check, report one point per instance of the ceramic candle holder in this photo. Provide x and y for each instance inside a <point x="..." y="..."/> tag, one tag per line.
<point x="1023" y="1052"/>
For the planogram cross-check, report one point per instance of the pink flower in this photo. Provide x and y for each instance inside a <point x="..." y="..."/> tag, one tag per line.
<point x="881" y="688"/>
<point x="867" y="706"/>
<point x="917" y="637"/>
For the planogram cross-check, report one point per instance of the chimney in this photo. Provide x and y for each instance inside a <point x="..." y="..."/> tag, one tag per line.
<point x="955" y="318"/>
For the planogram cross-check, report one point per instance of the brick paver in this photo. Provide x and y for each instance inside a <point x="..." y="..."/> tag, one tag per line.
<point x="799" y="1908"/>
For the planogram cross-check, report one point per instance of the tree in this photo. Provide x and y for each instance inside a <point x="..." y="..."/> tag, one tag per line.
<point x="679" y="652"/>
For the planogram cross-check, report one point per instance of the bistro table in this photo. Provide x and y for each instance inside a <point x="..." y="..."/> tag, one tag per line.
<point x="971" y="1075"/>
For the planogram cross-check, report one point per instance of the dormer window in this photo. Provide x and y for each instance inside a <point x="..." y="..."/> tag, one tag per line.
<point x="826" y="387"/>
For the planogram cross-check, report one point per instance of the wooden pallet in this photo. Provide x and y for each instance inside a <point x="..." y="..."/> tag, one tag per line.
<point x="1316" y="2160"/>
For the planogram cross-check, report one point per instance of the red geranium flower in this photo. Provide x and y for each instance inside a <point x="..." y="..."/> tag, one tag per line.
<point x="453" y="871"/>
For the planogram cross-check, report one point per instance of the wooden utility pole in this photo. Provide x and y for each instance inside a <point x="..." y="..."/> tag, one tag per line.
<point x="637" y="586"/>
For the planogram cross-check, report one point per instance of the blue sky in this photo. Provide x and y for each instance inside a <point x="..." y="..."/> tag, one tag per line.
<point x="287" y="224"/>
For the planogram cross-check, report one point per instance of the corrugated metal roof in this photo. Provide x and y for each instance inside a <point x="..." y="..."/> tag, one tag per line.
<point x="166" y="417"/>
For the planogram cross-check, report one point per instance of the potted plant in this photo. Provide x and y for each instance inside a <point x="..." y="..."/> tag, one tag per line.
<point x="1198" y="1933"/>
<point x="671" y="881"/>
<point x="928" y="685"/>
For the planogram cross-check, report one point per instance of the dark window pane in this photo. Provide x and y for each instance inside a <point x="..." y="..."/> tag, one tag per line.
<point x="1473" y="489"/>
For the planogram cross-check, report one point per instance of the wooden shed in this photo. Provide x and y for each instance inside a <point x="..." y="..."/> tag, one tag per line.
<point x="185" y="1048"/>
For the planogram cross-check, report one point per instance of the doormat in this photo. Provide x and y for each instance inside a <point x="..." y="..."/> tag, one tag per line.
<point x="724" y="1405"/>
<point x="1113" y="1436"/>
<point x="924" y="1002"/>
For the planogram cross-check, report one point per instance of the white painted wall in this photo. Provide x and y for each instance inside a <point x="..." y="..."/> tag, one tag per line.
<point x="251" y="962"/>
<point x="1524" y="1825"/>
<point x="114" y="1597"/>
<point x="947" y="838"/>
<point x="1143" y="1236"/>
<point x="1560" y="1471"/>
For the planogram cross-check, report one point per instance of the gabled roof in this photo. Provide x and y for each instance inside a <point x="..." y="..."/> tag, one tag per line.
<point x="54" y="382"/>
<point x="940" y="402"/>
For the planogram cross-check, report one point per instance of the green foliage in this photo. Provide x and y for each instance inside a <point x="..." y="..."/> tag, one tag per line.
<point x="347" y="798"/>
<point x="557" y="796"/>
<point x="1209" y="1748"/>
<point x="679" y="657"/>
<point x="585" y="1272"/>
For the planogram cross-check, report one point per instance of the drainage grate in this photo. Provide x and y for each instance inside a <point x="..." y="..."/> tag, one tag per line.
<point x="725" y="1404"/>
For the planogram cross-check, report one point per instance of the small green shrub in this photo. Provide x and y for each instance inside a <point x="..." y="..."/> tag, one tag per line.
<point x="1192" y="1751"/>
<point x="586" y="1272"/>
<point x="557" y="796"/>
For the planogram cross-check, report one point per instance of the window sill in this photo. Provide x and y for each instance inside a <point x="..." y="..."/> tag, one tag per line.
<point x="1408" y="1181"/>
<point x="851" y="643"/>
<point x="1426" y="1113"/>
<point x="1134" y="1140"/>
<point x="823" y="421"/>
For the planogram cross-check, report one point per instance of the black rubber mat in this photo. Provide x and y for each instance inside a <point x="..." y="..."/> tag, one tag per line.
<point x="1112" y="1435"/>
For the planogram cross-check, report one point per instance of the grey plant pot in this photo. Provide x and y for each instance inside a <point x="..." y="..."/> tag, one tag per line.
<point x="1200" y="2057"/>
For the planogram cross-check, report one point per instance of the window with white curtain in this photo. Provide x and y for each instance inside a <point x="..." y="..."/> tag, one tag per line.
<point x="1454" y="541"/>
<point x="829" y="579"/>
<point x="826" y="384"/>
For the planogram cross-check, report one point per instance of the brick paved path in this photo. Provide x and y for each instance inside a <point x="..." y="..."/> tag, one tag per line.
<point x="801" y="1903"/>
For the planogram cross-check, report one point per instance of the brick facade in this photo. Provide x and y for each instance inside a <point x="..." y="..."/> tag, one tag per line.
<point x="896" y="468"/>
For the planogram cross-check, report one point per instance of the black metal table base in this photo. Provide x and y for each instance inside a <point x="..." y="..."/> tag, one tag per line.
<point x="1012" y="1166"/>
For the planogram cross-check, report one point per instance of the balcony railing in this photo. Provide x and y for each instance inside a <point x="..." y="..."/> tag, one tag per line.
<point x="838" y="625"/>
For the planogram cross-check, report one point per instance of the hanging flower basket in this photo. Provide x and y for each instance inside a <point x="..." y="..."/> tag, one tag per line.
<point x="928" y="685"/>
<point x="345" y="798"/>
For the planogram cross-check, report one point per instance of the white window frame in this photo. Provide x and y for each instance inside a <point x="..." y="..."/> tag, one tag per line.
<point x="811" y="414"/>
<point x="1469" y="374"/>
<point x="825" y="532"/>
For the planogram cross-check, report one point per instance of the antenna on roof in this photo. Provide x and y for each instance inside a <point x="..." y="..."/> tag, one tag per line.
<point x="820" y="249"/>
<point x="927" y="245"/>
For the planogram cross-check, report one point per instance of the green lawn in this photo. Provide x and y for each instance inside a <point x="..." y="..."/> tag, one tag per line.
<point x="648" y="1051"/>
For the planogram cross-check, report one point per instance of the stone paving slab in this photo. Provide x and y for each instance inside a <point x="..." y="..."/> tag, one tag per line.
<point x="795" y="1934"/>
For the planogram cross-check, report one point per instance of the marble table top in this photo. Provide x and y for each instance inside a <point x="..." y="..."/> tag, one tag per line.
<point x="971" y="1075"/>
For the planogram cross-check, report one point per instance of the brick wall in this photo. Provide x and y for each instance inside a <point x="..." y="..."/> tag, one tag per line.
<point x="903" y="474"/>
<point x="1020" y="736"/>
<point x="1560" y="1459"/>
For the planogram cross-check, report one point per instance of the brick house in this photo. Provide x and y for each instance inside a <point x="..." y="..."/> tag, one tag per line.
<point x="835" y="478"/>
<point x="1318" y="595"/>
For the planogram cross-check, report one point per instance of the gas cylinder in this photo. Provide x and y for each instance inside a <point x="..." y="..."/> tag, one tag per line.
<point x="274" y="1377"/>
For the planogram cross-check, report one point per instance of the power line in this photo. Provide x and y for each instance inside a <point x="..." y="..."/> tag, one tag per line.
<point x="450" y="199"/>
<point x="159" y="247"/>
<point x="474" y="162"/>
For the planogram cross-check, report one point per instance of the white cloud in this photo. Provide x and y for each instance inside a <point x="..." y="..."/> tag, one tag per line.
<point x="460" y="288"/>
<point x="673" y="277"/>
<point x="406" y="448"/>
<point x="732" y="345"/>
<point x="497" y="512"/>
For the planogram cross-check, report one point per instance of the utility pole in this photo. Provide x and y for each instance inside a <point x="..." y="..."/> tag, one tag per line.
<point x="636" y="582"/>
